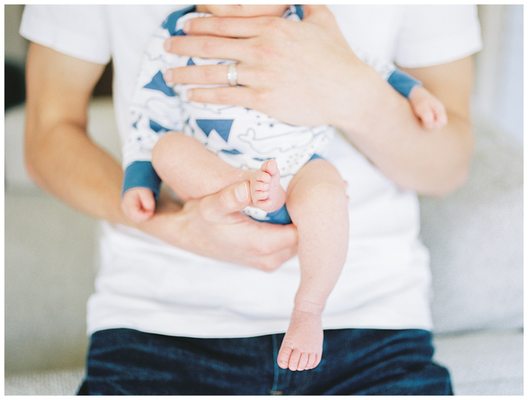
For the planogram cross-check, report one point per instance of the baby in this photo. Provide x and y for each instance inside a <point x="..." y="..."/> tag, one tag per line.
<point x="199" y="149"/>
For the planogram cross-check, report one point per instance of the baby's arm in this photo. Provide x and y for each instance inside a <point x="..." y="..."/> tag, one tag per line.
<point x="427" y="108"/>
<point x="154" y="110"/>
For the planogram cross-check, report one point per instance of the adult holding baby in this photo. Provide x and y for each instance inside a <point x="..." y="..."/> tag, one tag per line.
<point x="166" y="321"/>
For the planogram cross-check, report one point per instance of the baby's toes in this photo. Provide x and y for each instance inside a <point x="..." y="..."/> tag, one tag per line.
<point x="259" y="196"/>
<point x="303" y="361"/>
<point x="270" y="167"/>
<point x="262" y="186"/>
<point x="262" y="176"/>
<point x="294" y="360"/>
<point x="263" y="204"/>
<point x="314" y="360"/>
<point x="283" y="359"/>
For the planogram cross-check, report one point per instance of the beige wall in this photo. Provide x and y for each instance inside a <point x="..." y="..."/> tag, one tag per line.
<point x="15" y="46"/>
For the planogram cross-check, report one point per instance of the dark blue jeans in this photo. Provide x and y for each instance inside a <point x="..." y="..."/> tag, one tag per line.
<point x="355" y="361"/>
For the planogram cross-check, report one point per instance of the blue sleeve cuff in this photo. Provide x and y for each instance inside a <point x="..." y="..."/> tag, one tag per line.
<point x="141" y="174"/>
<point x="403" y="83"/>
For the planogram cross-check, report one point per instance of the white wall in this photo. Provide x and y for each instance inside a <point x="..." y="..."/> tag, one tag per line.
<point x="498" y="96"/>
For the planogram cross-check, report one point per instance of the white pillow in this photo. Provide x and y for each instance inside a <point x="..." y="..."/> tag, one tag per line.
<point x="475" y="239"/>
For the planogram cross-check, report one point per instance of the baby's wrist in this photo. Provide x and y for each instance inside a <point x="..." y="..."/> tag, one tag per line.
<point x="416" y="92"/>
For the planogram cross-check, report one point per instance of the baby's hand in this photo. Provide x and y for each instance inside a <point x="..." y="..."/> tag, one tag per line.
<point x="429" y="110"/>
<point x="138" y="204"/>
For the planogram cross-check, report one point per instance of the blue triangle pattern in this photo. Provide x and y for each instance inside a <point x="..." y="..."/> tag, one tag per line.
<point x="221" y="126"/>
<point x="172" y="19"/>
<point x="190" y="61"/>
<point x="158" y="128"/>
<point x="158" y="83"/>
<point x="299" y="11"/>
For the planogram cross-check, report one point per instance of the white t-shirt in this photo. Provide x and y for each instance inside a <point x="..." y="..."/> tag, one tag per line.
<point x="145" y="284"/>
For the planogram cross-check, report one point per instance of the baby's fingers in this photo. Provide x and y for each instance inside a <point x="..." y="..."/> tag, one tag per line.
<point x="427" y="117"/>
<point x="440" y="115"/>
<point x="146" y="202"/>
<point x="138" y="204"/>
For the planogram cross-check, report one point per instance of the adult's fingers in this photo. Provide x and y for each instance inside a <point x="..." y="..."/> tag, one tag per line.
<point x="207" y="47"/>
<point x="208" y="75"/>
<point x="230" y="26"/>
<point x="272" y="262"/>
<point x="241" y="96"/>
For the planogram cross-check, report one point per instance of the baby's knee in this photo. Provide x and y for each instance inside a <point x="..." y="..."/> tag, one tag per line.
<point x="328" y="193"/>
<point x="334" y="190"/>
<point x="166" y="148"/>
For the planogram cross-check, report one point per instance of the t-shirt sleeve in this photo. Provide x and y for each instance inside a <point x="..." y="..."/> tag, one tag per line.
<point x="431" y="35"/>
<point x="77" y="31"/>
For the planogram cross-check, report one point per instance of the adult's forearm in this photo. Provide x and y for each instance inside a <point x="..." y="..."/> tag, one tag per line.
<point x="384" y="128"/>
<point x="65" y="162"/>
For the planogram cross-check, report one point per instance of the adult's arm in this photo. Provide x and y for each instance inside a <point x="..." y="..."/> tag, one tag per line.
<point x="306" y="73"/>
<point x="430" y="162"/>
<point x="62" y="159"/>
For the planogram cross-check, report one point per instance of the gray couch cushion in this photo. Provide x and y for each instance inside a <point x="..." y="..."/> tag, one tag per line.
<point x="49" y="274"/>
<point x="52" y="382"/>
<point x="482" y="363"/>
<point x="49" y="258"/>
<point x="475" y="239"/>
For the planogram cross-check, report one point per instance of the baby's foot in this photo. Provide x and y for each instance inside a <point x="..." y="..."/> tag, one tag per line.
<point x="302" y="346"/>
<point x="266" y="191"/>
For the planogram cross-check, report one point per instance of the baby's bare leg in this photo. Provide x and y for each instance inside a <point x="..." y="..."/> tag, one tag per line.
<point x="317" y="204"/>
<point x="190" y="169"/>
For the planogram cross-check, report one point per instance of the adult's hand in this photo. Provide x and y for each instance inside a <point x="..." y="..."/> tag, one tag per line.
<point x="214" y="227"/>
<point x="306" y="74"/>
<point x="297" y="72"/>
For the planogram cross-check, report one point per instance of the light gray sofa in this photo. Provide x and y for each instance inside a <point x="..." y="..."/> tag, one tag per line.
<point x="475" y="238"/>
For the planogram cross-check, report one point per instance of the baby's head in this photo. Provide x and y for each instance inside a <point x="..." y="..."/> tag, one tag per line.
<point x="243" y="10"/>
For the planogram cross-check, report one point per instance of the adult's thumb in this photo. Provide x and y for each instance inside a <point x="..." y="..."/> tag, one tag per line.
<point x="229" y="200"/>
<point x="316" y="13"/>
